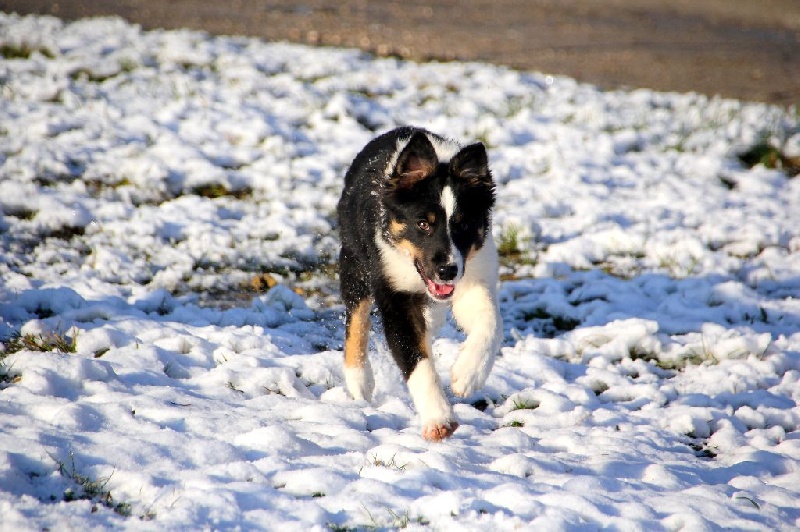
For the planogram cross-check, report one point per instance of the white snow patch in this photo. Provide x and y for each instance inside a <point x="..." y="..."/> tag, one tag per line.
<point x="648" y="377"/>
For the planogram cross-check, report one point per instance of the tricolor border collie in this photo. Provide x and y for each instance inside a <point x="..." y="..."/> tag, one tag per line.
<point x="415" y="223"/>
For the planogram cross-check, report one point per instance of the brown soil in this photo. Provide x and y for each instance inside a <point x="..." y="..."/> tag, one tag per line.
<point x="735" y="48"/>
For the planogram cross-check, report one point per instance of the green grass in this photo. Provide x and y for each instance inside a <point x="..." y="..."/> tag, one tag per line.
<point x="404" y="519"/>
<point x="42" y="342"/>
<point x="689" y="359"/>
<point x="509" y="245"/>
<point x="524" y="404"/>
<point x="89" y="489"/>
<point x="23" y="51"/>
<point x="396" y="521"/>
<point x="765" y="153"/>
<point x="550" y="325"/>
<point x="218" y="190"/>
<point x="333" y="527"/>
<point x="21" y="213"/>
<point x="563" y="323"/>
<point x="125" y="66"/>
<point x="512" y="253"/>
<point x="7" y="376"/>
<point x="678" y="269"/>
<point x="65" y="232"/>
<point x="514" y="105"/>
<point x="391" y="464"/>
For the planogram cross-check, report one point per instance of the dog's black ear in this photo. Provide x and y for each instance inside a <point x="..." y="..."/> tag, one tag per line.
<point x="472" y="165"/>
<point x="416" y="162"/>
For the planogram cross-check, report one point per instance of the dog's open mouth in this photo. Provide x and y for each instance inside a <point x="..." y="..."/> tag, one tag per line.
<point x="439" y="291"/>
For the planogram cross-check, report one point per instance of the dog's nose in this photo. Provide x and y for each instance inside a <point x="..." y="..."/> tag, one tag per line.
<point x="447" y="272"/>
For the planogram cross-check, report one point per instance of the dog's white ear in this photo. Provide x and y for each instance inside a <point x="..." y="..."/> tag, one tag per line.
<point x="472" y="164"/>
<point x="416" y="162"/>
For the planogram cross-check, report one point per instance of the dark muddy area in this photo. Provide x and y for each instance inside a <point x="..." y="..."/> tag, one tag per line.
<point x="733" y="48"/>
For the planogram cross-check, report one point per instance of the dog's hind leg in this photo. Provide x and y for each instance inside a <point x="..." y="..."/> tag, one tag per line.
<point x="357" y="370"/>
<point x="358" y="303"/>
<point x="408" y="335"/>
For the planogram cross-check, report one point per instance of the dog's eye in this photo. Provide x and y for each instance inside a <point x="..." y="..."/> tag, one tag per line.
<point x="424" y="226"/>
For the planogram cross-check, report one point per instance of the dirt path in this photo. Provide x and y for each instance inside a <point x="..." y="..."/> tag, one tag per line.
<point x="735" y="48"/>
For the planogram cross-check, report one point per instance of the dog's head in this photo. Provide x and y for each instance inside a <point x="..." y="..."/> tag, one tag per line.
<point x="437" y="200"/>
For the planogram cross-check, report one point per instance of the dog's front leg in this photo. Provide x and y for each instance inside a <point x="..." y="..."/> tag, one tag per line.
<point x="475" y="310"/>
<point x="480" y="319"/>
<point x="409" y="338"/>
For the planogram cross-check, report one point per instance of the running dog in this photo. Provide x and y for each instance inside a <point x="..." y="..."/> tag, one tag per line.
<point x="415" y="224"/>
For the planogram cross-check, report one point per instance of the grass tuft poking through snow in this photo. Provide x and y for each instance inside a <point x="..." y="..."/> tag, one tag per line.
<point x="41" y="342"/>
<point x="87" y="488"/>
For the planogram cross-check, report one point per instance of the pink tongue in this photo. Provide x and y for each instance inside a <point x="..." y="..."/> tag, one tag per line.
<point x="440" y="289"/>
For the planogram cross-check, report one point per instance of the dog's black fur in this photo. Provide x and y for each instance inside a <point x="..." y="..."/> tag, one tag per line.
<point x="415" y="209"/>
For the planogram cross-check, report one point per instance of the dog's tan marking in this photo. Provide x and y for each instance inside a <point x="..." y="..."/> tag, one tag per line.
<point x="425" y="341"/>
<point x="396" y="229"/>
<point x="473" y="249"/>
<point x="357" y="334"/>
<point x="409" y="249"/>
<point x="431" y="217"/>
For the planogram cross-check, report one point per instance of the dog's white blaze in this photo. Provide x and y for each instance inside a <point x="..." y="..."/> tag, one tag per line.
<point x="448" y="202"/>
<point x="429" y="399"/>
<point x="449" y="206"/>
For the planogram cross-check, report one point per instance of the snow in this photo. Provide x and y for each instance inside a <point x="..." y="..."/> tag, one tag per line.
<point x="649" y="372"/>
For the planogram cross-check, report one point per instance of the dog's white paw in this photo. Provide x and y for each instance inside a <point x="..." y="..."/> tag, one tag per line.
<point x="469" y="373"/>
<point x="360" y="382"/>
<point x="465" y="384"/>
<point x="438" y="419"/>
<point x="438" y="430"/>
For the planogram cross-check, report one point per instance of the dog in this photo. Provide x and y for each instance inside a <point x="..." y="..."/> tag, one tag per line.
<point x="415" y="227"/>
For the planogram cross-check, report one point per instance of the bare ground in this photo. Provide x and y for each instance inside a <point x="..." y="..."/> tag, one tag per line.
<point x="734" y="48"/>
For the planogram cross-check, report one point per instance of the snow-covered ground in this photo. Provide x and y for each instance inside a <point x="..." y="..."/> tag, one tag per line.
<point x="650" y="374"/>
